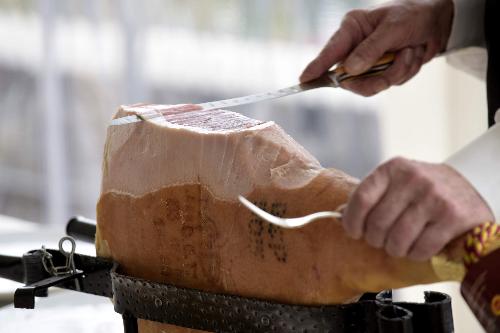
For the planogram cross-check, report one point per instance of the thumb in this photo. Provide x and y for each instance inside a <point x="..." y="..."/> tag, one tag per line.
<point x="370" y="50"/>
<point x="336" y="49"/>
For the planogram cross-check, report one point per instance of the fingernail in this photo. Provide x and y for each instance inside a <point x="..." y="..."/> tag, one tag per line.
<point x="348" y="85"/>
<point x="305" y="76"/>
<point x="408" y="58"/>
<point x="374" y="242"/>
<point x="349" y="232"/>
<point x="354" y="64"/>
<point x="354" y="235"/>
<point x="380" y="85"/>
<point x="420" y="52"/>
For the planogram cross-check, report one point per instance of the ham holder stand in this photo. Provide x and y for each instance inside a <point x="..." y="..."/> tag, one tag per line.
<point x="136" y="298"/>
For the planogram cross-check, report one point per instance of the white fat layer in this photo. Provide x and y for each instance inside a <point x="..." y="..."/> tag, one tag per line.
<point x="144" y="157"/>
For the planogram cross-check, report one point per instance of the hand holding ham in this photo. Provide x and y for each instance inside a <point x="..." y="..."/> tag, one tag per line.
<point x="413" y="209"/>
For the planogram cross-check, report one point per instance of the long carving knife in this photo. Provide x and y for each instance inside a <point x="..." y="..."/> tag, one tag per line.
<point x="332" y="78"/>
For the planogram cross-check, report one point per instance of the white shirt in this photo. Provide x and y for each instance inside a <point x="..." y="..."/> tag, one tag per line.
<point x="479" y="161"/>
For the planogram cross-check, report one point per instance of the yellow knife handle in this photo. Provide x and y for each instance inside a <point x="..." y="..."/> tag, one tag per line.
<point x="339" y="74"/>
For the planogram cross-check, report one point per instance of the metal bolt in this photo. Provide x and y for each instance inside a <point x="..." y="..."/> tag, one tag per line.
<point x="265" y="321"/>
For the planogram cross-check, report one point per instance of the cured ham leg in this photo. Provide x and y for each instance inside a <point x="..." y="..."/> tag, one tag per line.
<point x="169" y="212"/>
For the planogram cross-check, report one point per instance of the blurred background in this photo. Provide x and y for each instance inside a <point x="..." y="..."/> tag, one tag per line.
<point x="66" y="66"/>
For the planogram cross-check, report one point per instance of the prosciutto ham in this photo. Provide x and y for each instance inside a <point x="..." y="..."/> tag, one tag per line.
<point x="169" y="212"/>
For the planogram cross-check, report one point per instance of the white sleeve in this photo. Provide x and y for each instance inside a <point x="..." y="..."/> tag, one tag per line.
<point x="468" y="25"/>
<point x="479" y="163"/>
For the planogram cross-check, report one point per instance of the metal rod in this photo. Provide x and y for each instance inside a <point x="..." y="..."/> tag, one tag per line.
<point x="82" y="229"/>
<point x="129" y="323"/>
<point x="11" y="268"/>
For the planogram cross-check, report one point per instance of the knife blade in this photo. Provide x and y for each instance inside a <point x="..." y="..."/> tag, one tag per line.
<point x="332" y="78"/>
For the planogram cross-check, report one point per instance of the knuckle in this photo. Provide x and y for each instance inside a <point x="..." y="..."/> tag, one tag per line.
<point x="419" y="179"/>
<point x="385" y="82"/>
<point x="376" y="225"/>
<point x="365" y="93"/>
<point x="391" y="23"/>
<point x="354" y="15"/>
<point x="441" y="207"/>
<point x="419" y="53"/>
<point x="401" y="237"/>
<point x="448" y="205"/>
<point x="373" y="50"/>
<point x="407" y="226"/>
<point x="394" y="21"/>
<point x="416" y="175"/>
<point x="364" y="199"/>
<point x="431" y="189"/>
<point x="453" y="211"/>
<point x="395" y="246"/>
<point x="431" y="244"/>
<point x="423" y="186"/>
<point x="442" y="238"/>
<point x="395" y="164"/>
<point x="370" y="186"/>
<point x="410" y="171"/>
<point x="440" y="203"/>
<point x="370" y="181"/>
<point x="351" y="21"/>
<point x="397" y="161"/>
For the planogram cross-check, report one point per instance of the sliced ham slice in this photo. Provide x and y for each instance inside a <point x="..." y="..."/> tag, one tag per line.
<point x="169" y="212"/>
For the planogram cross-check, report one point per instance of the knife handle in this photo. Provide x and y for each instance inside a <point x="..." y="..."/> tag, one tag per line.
<point x="339" y="74"/>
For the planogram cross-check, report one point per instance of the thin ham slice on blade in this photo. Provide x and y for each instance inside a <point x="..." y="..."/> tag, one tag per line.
<point x="169" y="212"/>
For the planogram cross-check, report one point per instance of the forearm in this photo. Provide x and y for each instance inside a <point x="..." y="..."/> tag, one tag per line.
<point x="468" y="24"/>
<point x="479" y="163"/>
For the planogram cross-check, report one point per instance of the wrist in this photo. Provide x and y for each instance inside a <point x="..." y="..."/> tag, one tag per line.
<point x="467" y="26"/>
<point x="446" y="13"/>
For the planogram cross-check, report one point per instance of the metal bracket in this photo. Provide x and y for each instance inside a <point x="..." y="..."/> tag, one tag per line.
<point x="24" y="297"/>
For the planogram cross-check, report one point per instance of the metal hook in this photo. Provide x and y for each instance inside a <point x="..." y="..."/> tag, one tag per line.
<point x="73" y="246"/>
<point x="70" y="263"/>
<point x="69" y="266"/>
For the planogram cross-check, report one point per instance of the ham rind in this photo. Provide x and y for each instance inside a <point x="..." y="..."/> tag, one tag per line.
<point x="168" y="212"/>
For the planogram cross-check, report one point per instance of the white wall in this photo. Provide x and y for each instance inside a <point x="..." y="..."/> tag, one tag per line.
<point x="434" y="114"/>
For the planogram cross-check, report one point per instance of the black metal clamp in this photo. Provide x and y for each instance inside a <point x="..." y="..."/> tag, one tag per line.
<point x="137" y="298"/>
